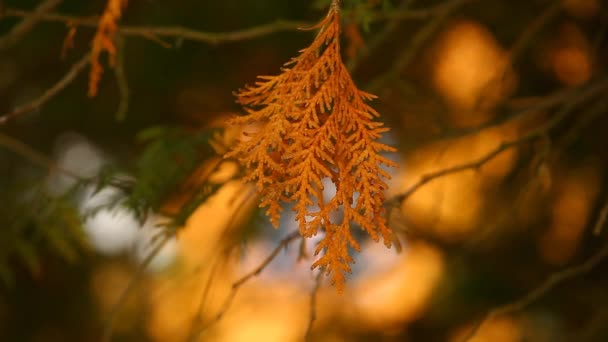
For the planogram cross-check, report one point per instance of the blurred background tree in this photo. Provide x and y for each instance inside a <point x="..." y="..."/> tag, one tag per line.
<point x="120" y="220"/>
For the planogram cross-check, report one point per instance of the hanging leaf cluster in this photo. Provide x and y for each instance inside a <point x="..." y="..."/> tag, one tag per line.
<point x="316" y="129"/>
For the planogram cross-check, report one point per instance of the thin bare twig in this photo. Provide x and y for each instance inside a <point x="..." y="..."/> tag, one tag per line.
<point x="601" y="221"/>
<point x="176" y="32"/>
<point x="34" y="156"/>
<point x="586" y="118"/>
<point x="439" y="15"/>
<point x="532" y="30"/>
<point x="222" y="257"/>
<point x="50" y="93"/>
<point x="236" y="286"/>
<point x="549" y="284"/>
<point x="196" y="321"/>
<point x="221" y="37"/>
<point x="108" y="329"/>
<point x="25" y="26"/>
<point x="313" y="305"/>
<point x="376" y="41"/>
<point x="518" y="48"/>
<point x="517" y="108"/>
<point x="121" y="79"/>
<point x="411" y="14"/>
<point x="577" y="98"/>
<point x="601" y="32"/>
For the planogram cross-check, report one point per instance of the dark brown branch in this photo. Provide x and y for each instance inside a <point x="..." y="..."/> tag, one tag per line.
<point x="375" y="41"/>
<point x="601" y="221"/>
<point x="25" y="26"/>
<point x="578" y="97"/>
<point x="532" y="30"/>
<point x="312" y="316"/>
<point x="121" y="80"/>
<point x="198" y="317"/>
<point x="214" y="38"/>
<point x="426" y="32"/>
<point x="34" y="156"/>
<point x="517" y="108"/>
<point x="176" y="32"/>
<point x="50" y="93"/>
<point x="518" y="48"/>
<point x="439" y="15"/>
<point x="549" y="284"/>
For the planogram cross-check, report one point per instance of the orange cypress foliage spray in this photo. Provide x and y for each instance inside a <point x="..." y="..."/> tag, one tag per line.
<point x="317" y="126"/>
<point x="104" y="40"/>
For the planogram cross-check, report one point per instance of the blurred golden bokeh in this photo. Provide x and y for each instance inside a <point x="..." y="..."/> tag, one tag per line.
<point x="107" y="284"/>
<point x="205" y="232"/>
<point x="450" y="205"/>
<point x="401" y="294"/>
<point x="576" y="192"/>
<point x="568" y="56"/>
<point x="471" y="71"/>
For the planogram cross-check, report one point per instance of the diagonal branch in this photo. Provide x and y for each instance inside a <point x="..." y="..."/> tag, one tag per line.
<point x="177" y="32"/>
<point x="236" y="286"/>
<point x="121" y="80"/>
<point x="577" y="98"/>
<point x="34" y="156"/>
<point x="312" y="316"/>
<point x="25" y="26"/>
<point x="549" y="284"/>
<point x="439" y="16"/>
<point x="50" y="93"/>
<point x="108" y="329"/>
<point x="519" y="47"/>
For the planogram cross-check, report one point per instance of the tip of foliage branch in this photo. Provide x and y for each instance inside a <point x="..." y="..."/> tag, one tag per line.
<point x="104" y="41"/>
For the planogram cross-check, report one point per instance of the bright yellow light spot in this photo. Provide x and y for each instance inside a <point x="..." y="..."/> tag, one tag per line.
<point x="206" y="227"/>
<point x="450" y="205"/>
<point x="469" y="69"/>
<point x="276" y="314"/>
<point x="401" y="294"/>
<point x="107" y="283"/>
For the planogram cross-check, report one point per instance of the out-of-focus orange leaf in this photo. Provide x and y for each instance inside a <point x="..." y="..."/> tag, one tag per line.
<point x="104" y="41"/>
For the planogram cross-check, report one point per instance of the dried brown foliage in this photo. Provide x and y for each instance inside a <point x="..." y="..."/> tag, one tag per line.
<point x="104" y="41"/>
<point x="316" y="127"/>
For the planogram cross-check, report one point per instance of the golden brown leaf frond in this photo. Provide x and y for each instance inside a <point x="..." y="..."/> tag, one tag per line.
<point x="317" y="128"/>
<point x="104" y="41"/>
